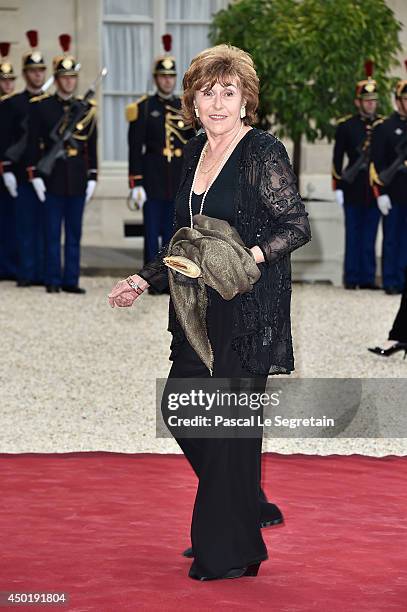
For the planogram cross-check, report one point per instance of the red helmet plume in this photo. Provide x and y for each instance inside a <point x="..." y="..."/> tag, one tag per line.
<point x="369" y="68"/>
<point x="167" y="42"/>
<point x="4" y="49"/>
<point x="65" y="42"/>
<point x="32" y="36"/>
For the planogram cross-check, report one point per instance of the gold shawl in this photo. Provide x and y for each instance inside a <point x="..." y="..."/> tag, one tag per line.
<point x="211" y="253"/>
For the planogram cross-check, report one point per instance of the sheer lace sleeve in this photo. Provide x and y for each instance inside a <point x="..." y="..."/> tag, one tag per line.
<point x="286" y="218"/>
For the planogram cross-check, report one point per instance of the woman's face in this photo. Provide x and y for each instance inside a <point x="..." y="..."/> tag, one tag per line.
<point x="219" y="107"/>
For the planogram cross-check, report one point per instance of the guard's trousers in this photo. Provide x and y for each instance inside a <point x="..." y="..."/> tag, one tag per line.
<point x="158" y="216"/>
<point x="67" y="209"/>
<point x="361" y="224"/>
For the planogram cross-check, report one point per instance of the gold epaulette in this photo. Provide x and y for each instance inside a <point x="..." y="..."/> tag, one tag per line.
<point x="378" y="120"/>
<point x="343" y="119"/>
<point x="40" y="97"/>
<point x="7" y="96"/>
<point x="132" y="109"/>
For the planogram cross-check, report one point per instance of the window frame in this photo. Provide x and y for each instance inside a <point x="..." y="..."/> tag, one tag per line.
<point x="159" y="24"/>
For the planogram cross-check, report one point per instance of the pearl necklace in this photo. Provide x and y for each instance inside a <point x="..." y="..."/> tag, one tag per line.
<point x="214" y="177"/>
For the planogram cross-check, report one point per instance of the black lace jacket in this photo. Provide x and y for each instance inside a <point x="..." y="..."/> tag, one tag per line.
<point x="270" y="214"/>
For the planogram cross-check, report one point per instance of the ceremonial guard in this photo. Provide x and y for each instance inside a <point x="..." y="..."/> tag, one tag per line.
<point x="352" y="188"/>
<point x="8" y="247"/>
<point x="156" y="137"/>
<point x="7" y="75"/>
<point x="388" y="172"/>
<point x="29" y="210"/>
<point x="63" y="167"/>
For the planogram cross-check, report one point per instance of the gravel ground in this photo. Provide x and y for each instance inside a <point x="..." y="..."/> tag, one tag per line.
<point x="79" y="376"/>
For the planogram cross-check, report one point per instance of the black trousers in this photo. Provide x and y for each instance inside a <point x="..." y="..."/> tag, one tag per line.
<point x="399" y="329"/>
<point x="225" y="529"/>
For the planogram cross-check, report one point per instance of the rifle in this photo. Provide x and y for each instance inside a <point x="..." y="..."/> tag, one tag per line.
<point x="361" y="163"/>
<point x="387" y="175"/>
<point x="62" y="132"/>
<point x="15" y="151"/>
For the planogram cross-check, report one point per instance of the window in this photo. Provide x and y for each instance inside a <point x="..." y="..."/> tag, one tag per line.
<point x="131" y="38"/>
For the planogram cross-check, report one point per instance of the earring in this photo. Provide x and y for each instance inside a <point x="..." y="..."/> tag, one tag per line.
<point x="196" y="111"/>
<point x="242" y="112"/>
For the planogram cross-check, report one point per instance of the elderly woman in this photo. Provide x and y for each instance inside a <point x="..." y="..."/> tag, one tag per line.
<point x="240" y="174"/>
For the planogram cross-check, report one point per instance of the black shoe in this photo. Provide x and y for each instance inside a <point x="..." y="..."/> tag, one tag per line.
<point x="400" y="346"/>
<point x="7" y="278"/>
<point x="393" y="291"/>
<point x="238" y="572"/>
<point x="23" y="283"/>
<point x="350" y="286"/>
<point x="371" y="286"/>
<point x="270" y="515"/>
<point x="52" y="289"/>
<point x="73" y="289"/>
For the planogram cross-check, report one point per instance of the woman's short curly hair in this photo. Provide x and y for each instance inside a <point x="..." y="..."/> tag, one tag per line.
<point x="220" y="64"/>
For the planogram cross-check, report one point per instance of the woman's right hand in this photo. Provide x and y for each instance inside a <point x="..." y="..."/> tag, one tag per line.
<point x="124" y="295"/>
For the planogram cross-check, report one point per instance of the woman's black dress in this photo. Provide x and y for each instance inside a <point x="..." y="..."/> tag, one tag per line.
<point x="225" y="529"/>
<point x="219" y="203"/>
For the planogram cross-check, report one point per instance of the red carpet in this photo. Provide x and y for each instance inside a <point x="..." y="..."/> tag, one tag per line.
<point x="109" y="528"/>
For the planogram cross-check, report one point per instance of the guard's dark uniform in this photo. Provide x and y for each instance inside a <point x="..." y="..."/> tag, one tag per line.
<point x="353" y="138"/>
<point x="156" y="136"/>
<point x="66" y="186"/>
<point x="387" y="138"/>
<point x="8" y="245"/>
<point x="29" y="211"/>
<point x="70" y="174"/>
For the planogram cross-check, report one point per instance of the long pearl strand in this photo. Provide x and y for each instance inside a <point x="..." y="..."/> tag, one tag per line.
<point x="214" y="177"/>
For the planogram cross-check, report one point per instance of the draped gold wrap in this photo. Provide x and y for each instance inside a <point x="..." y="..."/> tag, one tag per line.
<point x="211" y="253"/>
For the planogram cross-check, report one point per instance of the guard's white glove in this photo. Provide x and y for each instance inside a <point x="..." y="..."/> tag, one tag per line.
<point x="39" y="188"/>
<point x="10" y="182"/>
<point x="90" y="190"/>
<point x="138" y="196"/>
<point x="339" y="197"/>
<point x="384" y="204"/>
